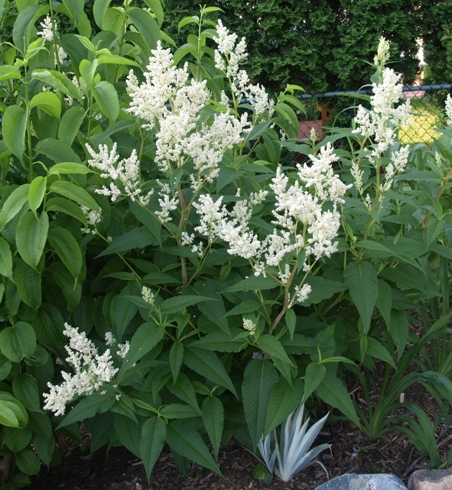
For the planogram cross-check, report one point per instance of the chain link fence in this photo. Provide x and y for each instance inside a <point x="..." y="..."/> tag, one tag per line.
<point x="336" y="109"/>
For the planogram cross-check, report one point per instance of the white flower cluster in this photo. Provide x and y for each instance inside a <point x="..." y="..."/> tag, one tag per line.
<point x="249" y="325"/>
<point x="383" y="121"/>
<point x="125" y="171"/>
<point x="47" y="34"/>
<point x="449" y="109"/>
<point x="93" y="218"/>
<point x="228" y="57"/>
<point x="382" y="56"/>
<point x="170" y="101"/>
<point x="299" y="216"/>
<point x="91" y="372"/>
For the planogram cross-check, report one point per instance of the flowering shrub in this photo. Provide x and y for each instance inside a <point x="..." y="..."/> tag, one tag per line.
<point x="152" y="217"/>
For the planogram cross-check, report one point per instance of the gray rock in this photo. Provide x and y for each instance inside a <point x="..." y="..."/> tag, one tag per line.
<point x="364" y="482"/>
<point x="431" y="480"/>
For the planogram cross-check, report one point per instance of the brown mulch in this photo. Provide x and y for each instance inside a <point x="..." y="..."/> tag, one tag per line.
<point x="351" y="452"/>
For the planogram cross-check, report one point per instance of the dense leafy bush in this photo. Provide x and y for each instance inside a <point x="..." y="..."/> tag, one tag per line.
<point x="165" y="279"/>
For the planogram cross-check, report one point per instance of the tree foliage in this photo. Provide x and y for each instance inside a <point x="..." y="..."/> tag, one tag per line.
<point x="318" y="44"/>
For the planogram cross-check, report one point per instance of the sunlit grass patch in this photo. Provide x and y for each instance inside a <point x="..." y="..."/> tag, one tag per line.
<point x="425" y="117"/>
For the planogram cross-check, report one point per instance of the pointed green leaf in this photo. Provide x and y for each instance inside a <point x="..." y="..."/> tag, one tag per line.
<point x="36" y="193"/>
<point x="220" y="341"/>
<point x="67" y="249"/>
<point x="252" y="283"/>
<point x="8" y="417"/>
<point x="153" y="435"/>
<point x="384" y="301"/>
<point x="291" y="322"/>
<point x="213" y="419"/>
<point x="70" y="124"/>
<point x="74" y="8"/>
<point x="62" y="205"/>
<point x="176" y="357"/>
<point x="99" y="9"/>
<point x="178" y="411"/>
<point x="31" y="237"/>
<point x="128" y="432"/>
<point x="24" y="25"/>
<point x="28" y="462"/>
<point x="207" y="364"/>
<point x="28" y="282"/>
<point x="260" y="377"/>
<point x="18" y="341"/>
<point x="378" y="350"/>
<point x="362" y="281"/>
<point x="137" y="238"/>
<point x="284" y="399"/>
<point x="69" y="168"/>
<point x="178" y="303"/>
<point x="14" y="204"/>
<point x="6" y="259"/>
<point x="399" y="330"/>
<point x="333" y="392"/>
<point x="146" y="25"/>
<point x="313" y="377"/>
<point x="184" y="390"/>
<point x="58" y="81"/>
<point x="14" y="127"/>
<point x="88" y="407"/>
<point x="26" y="391"/>
<point x="147" y="336"/>
<point x="107" y="100"/>
<point x="124" y="311"/>
<point x="57" y="150"/>
<point x="185" y="440"/>
<point x="273" y="347"/>
<point x="47" y="102"/>
<point x="8" y="72"/>
<point x="75" y="193"/>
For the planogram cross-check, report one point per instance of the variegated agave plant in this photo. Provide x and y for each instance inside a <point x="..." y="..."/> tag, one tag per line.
<point x="291" y="453"/>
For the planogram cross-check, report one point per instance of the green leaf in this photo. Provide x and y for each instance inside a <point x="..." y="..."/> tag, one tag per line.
<point x="107" y="100"/>
<point x="75" y="8"/>
<point x="72" y="290"/>
<point x="322" y="289"/>
<point x="14" y="127"/>
<point x="14" y="204"/>
<point x="58" y="81"/>
<point x="147" y="336"/>
<point x="8" y="417"/>
<point x="183" y="50"/>
<point x="75" y="193"/>
<point x="47" y="102"/>
<point x="284" y="398"/>
<point x="213" y="419"/>
<point x="6" y="259"/>
<point x="28" y="282"/>
<point x="17" y="439"/>
<point x="67" y="249"/>
<point x="362" y="281"/>
<point x="137" y="238"/>
<point x="8" y="72"/>
<point x="273" y="347"/>
<point x="146" y="25"/>
<point x="399" y="330"/>
<point x="99" y="9"/>
<point x="157" y="9"/>
<point x="194" y="19"/>
<point x="31" y="237"/>
<point x="253" y="283"/>
<point x="220" y="341"/>
<point x="184" y="440"/>
<point x="26" y="391"/>
<point x="24" y="25"/>
<point x="70" y="124"/>
<point x="36" y="193"/>
<point x="62" y="205"/>
<point x="18" y="341"/>
<point x="291" y="322"/>
<point x="333" y="392"/>
<point x="184" y="390"/>
<point x="378" y="350"/>
<point x="313" y="377"/>
<point x="153" y="435"/>
<point x="57" y="150"/>
<point x="14" y="404"/>
<point x="178" y="411"/>
<point x="124" y="311"/>
<point x="178" y="303"/>
<point x="28" y="462"/>
<point x="176" y="357"/>
<point x="113" y="59"/>
<point x="70" y="168"/>
<point x="128" y="432"/>
<point x="259" y="379"/>
<point x="88" y="407"/>
<point x="384" y="301"/>
<point x="207" y="364"/>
